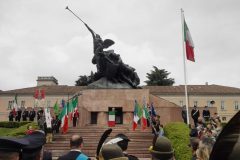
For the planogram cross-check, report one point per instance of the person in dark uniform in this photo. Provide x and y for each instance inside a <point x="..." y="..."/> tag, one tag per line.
<point x="32" y="115"/>
<point x="26" y="148"/>
<point x="11" y="148"/>
<point x="76" y="144"/>
<point x="25" y="115"/>
<point x="75" y="118"/>
<point x="184" y="114"/>
<point x="58" y="124"/>
<point x="206" y="114"/>
<point x="19" y="114"/>
<point x="10" y="116"/>
<point x="195" y="114"/>
<point x="39" y="113"/>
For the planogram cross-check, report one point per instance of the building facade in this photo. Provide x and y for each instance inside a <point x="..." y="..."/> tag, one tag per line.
<point x="226" y="99"/>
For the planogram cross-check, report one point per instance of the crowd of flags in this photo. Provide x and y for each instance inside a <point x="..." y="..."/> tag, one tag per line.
<point x="142" y="113"/>
<point x="67" y="112"/>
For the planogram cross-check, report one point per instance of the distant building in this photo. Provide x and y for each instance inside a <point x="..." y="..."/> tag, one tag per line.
<point x="227" y="99"/>
<point x="47" y="81"/>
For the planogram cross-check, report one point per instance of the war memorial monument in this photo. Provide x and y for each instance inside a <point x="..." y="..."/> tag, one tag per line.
<point x="116" y="88"/>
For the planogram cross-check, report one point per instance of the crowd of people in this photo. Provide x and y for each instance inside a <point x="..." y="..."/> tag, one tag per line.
<point x="203" y="135"/>
<point x="24" y="114"/>
<point x="31" y="147"/>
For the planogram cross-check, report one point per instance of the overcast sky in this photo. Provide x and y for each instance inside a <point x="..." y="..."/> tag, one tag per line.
<point x="41" y="38"/>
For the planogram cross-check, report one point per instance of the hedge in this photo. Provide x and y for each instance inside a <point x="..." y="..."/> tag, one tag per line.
<point x="178" y="133"/>
<point x="21" y="131"/>
<point x="7" y="124"/>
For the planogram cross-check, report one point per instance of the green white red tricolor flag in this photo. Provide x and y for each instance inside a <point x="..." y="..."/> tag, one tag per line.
<point x="111" y="118"/>
<point x="137" y="115"/>
<point x="188" y="43"/>
<point x="145" y="115"/>
<point x="64" y="119"/>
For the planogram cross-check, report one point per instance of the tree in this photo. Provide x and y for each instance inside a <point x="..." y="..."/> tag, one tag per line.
<point x="159" y="77"/>
<point x="85" y="80"/>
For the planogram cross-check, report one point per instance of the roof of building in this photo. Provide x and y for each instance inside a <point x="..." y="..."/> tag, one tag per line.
<point x="49" y="90"/>
<point x="155" y="90"/>
<point x="193" y="90"/>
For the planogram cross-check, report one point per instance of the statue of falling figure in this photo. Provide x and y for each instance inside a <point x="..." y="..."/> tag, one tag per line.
<point x="109" y="64"/>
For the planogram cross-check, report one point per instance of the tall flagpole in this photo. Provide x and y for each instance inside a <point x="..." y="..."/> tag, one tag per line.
<point x="184" y="64"/>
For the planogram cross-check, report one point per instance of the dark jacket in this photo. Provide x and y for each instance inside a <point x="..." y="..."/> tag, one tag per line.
<point x="195" y="113"/>
<point x="206" y="114"/>
<point x="72" y="155"/>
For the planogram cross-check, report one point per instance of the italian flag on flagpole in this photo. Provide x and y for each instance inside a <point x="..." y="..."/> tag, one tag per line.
<point x="188" y="43"/>
<point x="136" y="115"/>
<point x="145" y="116"/>
<point x="111" y="118"/>
<point x="75" y="105"/>
<point x="64" y="119"/>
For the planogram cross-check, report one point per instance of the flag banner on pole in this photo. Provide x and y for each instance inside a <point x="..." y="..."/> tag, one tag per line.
<point x="145" y="116"/>
<point x="70" y="109"/>
<point x="56" y="109"/>
<point x="136" y="115"/>
<point x="64" y="119"/>
<point x="188" y="43"/>
<point x="15" y="106"/>
<point x="48" y="117"/>
<point x="152" y="111"/>
<point x="36" y="94"/>
<point x="42" y="93"/>
<point x="111" y="118"/>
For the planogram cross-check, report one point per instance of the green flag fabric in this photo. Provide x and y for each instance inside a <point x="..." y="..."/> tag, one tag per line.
<point x="56" y="108"/>
<point x="75" y="102"/>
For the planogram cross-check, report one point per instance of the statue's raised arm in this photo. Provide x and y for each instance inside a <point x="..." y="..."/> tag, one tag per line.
<point x="97" y="41"/>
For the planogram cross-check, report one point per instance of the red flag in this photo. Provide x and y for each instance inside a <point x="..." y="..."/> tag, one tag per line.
<point x="42" y="94"/>
<point x="36" y="94"/>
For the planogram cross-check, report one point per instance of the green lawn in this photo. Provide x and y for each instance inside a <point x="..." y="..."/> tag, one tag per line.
<point x="5" y="131"/>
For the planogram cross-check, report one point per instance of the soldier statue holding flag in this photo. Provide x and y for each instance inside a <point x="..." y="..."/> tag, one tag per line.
<point x="110" y="68"/>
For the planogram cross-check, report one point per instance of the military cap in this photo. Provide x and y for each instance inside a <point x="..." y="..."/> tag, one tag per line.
<point x="112" y="151"/>
<point x="162" y="149"/>
<point x="123" y="136"/>
<point x="10" y="144"/>
<point x="36" y="140"/>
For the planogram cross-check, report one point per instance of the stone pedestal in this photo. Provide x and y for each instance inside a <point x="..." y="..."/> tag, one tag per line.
<point x="100" y="100"/>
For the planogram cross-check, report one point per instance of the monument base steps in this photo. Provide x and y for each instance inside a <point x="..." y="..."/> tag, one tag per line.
<point x="138" y="146"/>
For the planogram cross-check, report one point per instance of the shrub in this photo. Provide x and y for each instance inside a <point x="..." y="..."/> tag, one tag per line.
<point x="7" y="124"/>
<point x="178" y="134"/>
<point x="21" y="131"/>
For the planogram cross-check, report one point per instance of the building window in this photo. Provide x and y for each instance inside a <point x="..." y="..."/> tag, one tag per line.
<point x="195" y="103"/>
<point x="181" y="103"/>
<point x="222" y="105"/>
<point x="224" y="118"/>
<point x="236" y="105"/>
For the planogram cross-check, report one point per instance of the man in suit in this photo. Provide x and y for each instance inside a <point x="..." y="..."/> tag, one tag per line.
<point x="76" y="144"/>
<point x="195" y="114"/>
<point x="32" y="115"/>
<point x="25" y="115"/>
